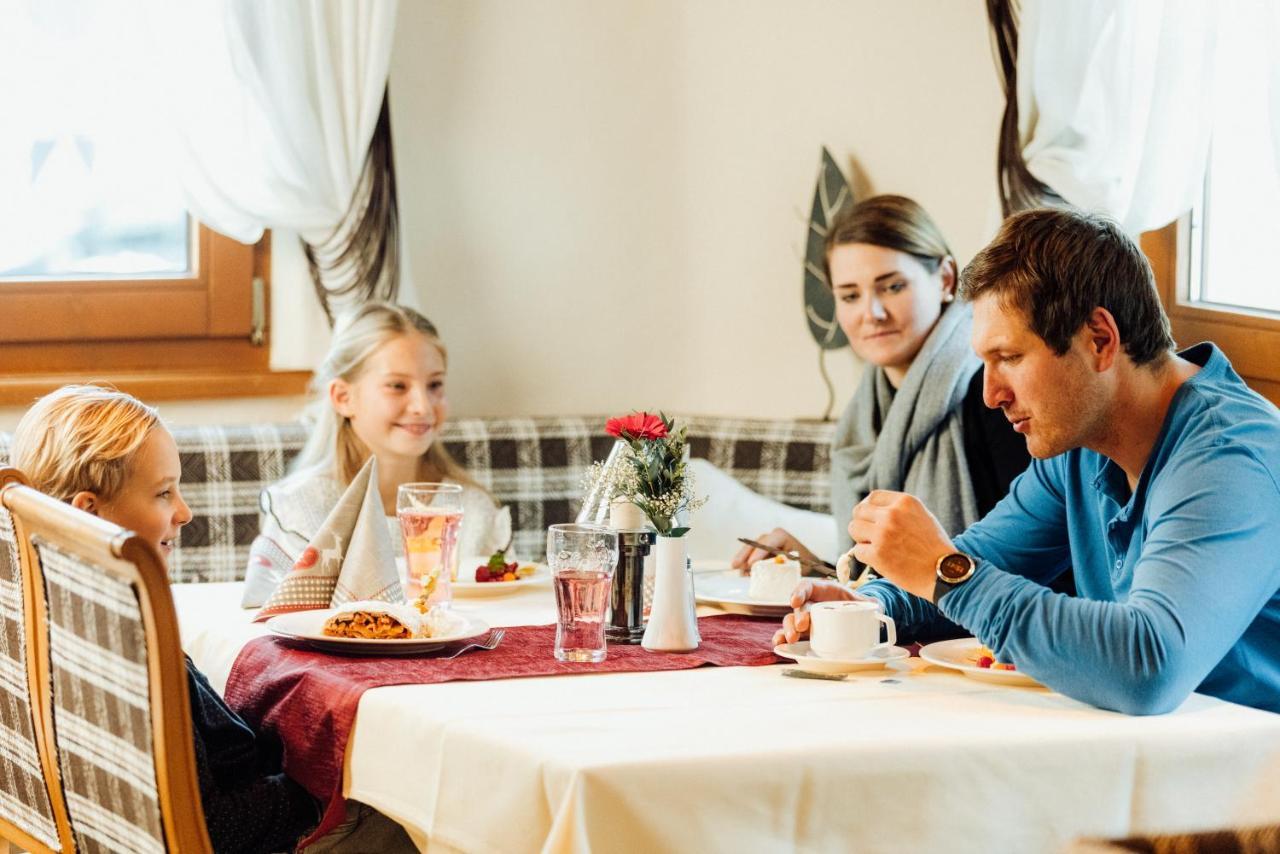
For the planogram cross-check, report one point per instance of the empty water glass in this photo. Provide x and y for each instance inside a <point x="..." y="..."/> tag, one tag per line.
<point x="582" y="558"/>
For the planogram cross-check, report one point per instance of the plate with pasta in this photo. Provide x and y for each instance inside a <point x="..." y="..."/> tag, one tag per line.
<point x="379" y="629"/>
<point x="970" y="657"/>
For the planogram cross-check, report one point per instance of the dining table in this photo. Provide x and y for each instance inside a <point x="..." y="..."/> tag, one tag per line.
<point x="908" y="757"/>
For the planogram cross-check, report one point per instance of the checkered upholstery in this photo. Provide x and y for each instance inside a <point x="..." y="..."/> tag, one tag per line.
<point x="534" y="465"/>
<point x="101" y="708"/>
<point x="224" y="470"/>
<point x="24" y="800"/>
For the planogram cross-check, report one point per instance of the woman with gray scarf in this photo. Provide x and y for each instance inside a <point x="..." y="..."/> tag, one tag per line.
<point x="917" y="422"/>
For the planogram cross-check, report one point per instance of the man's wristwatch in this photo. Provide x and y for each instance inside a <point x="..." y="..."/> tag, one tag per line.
<point x="952" y="570"/>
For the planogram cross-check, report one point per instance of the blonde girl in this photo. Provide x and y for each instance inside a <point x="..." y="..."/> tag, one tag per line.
<point x="381" y="392"/>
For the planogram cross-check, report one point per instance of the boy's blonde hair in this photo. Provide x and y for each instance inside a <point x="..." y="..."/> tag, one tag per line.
<point x="81" y="438"/>
<point x="333" y="443"/>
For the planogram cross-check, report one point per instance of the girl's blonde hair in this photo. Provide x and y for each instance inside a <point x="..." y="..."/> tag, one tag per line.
<point x="333" y="443"/>
<point x="81" y="438"/>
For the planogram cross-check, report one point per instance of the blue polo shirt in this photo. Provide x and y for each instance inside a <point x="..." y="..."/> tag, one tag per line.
<point x="1178" y="582"/>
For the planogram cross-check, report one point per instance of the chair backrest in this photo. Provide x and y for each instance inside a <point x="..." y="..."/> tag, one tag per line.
<point x="116" y="679"/>
<point x="28" y="780"/>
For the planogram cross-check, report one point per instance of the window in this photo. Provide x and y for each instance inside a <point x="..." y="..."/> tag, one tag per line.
<point x="103" y="273"/>
<point x="1215" y="266"/>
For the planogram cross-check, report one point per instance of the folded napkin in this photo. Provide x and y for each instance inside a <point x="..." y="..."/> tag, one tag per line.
<point x="349" y="559"/>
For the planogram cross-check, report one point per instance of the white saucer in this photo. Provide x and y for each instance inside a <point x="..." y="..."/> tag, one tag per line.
<point x="806" y="660"/>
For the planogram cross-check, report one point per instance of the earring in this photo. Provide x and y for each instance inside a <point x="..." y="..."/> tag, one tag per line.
<point x="948" y="297"/>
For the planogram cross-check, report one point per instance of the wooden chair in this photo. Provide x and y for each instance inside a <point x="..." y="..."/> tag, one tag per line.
<point x="30" y="796"/>
<point x="113" y="679"/>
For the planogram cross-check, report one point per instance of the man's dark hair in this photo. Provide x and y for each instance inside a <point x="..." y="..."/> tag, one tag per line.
<point x="1057" y="266"/>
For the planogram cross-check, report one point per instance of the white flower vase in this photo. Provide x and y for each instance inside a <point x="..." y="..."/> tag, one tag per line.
<point x="673" y="625"/>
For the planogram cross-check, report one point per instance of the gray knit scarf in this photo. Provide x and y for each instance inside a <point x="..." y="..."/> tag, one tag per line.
<point x="911" y="441"/>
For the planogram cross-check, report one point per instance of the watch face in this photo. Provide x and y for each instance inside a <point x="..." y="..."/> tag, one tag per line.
<point x="955" y="566"/>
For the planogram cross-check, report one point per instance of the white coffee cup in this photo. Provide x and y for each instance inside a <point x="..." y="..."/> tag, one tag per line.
<point x="848" y="630"/>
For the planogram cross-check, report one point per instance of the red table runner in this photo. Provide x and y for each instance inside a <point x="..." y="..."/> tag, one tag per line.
<point x="309" y="698"/>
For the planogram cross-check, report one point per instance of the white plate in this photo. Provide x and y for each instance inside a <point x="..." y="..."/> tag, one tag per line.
<point x="959" y="655"/>
<point x="728" y="590"/>
<point x="308" y="626"/>
<point x="467" y="587"/>
<point x="806" y="660"/>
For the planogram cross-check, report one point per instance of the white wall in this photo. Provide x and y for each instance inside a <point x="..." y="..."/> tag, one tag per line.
<point x="605" y="202"/>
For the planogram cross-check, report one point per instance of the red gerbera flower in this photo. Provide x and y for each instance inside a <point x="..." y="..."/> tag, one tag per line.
<point x="637" y="425"/>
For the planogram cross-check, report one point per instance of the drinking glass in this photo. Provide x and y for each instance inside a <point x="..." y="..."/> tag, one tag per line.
<point x="582" y="558"/>
<point x="430" y="518"/>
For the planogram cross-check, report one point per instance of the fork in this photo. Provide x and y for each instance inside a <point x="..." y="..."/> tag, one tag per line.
<point x="491" y="642"/>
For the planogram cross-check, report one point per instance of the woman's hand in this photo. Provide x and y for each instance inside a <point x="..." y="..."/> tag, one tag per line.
<point x="795" y="625"/>
<point x="779" y="539"/>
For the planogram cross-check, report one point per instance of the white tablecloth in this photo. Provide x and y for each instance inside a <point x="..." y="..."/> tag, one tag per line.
<point x="742" y="759"/>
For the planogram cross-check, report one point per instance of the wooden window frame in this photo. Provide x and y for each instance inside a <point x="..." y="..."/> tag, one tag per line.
<point x="1251" y="340"/>
<point x="159" y="338"/>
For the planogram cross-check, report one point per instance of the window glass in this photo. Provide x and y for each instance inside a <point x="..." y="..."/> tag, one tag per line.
<point x="87" y="180"/>
<point x="1238" y="224"/>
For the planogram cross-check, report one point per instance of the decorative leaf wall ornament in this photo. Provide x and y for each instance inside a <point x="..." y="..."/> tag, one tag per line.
<point x="831" y="195"/>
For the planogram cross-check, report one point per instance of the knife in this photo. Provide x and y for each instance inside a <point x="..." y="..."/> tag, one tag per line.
<point x="820" y="567"/>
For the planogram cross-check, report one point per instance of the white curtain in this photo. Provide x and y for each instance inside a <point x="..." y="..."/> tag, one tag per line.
<point x="274" y="103"/>
<point x="1114" y="102"/>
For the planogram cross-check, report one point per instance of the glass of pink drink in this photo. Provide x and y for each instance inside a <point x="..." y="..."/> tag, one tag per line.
<point x="582" y="558"/>
<point x="430" y="518"/>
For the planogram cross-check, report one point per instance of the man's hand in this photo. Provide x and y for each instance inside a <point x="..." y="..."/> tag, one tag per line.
<point x="779" y="539"/>
<point x="795" y="625"/>
<point x="895" y="533"/>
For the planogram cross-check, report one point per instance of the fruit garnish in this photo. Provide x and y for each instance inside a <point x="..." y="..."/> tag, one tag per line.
<point x="482" y="573"/>
<point x="986" y="659"/>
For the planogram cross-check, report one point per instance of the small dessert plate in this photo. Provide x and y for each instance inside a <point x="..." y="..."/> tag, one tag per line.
<point x="806" y="660"/>
<point x="467" y="587"/>
<point x="962" y="653"/>
<point x="728" y="590"/>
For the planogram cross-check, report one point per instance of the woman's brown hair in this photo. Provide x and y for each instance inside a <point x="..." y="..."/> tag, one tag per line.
<point x="894" y="222"/>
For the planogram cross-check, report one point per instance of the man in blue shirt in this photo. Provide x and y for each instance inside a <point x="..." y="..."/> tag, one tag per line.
<point x="1154" y="480"/>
